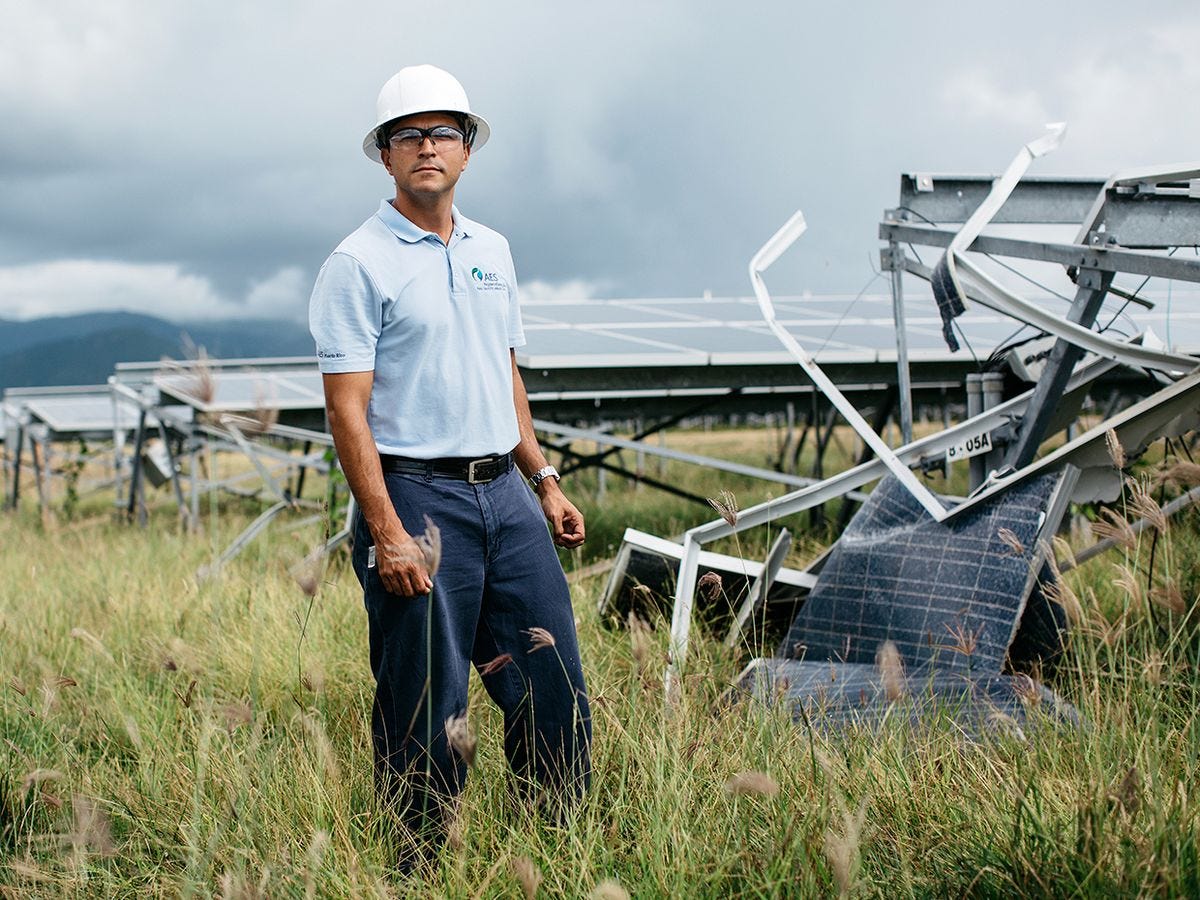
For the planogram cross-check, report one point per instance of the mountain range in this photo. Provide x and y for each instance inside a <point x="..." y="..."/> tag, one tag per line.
<point x="83" y="349"/>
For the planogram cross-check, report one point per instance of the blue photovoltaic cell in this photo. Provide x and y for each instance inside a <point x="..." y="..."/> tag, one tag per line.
<point x="948" y="594"/>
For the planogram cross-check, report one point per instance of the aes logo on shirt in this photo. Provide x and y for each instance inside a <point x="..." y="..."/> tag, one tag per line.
<point x="487" y="281"/>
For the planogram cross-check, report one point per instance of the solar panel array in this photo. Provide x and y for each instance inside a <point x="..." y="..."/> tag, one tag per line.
<point x="836" y="329"/>
<point x="597" y="334"/>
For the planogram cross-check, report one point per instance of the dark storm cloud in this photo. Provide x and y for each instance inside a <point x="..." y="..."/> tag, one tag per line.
<point x="640" y="149"/>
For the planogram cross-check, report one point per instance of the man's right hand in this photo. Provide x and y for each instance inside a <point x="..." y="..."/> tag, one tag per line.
<point x="401" y="566"/>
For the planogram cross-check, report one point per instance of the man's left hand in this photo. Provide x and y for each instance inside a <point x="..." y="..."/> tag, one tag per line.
<point x="566" y="522"/>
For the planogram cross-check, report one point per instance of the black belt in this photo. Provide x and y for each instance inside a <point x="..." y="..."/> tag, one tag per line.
<point x="478" y="470"/>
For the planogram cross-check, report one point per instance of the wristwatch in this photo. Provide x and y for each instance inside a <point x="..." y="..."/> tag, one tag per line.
<point x="542" y="474"/>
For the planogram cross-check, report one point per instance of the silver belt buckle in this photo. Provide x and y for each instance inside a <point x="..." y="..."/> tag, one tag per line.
<point x="471" y="479"/>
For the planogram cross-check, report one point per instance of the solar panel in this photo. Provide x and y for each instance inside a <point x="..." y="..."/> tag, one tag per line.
<point x="293" y="388"/>
<point x="948" y="594"/>
<point x="833" y="696"/>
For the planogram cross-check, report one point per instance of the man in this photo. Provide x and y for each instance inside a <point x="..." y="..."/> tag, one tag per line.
<point x="415" y="317"/>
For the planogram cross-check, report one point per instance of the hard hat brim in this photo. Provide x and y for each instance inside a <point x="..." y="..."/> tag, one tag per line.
<point x="482" y="132"/>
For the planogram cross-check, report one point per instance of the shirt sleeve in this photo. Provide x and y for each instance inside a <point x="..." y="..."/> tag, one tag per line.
<point x="516" y="326"/>
<point x="345" y="316"/>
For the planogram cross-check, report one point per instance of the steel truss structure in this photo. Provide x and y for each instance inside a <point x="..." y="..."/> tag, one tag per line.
<point x="1129" y="224"/>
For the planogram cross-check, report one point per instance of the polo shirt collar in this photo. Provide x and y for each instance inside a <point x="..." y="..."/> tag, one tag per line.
<point x="400" y="226"/>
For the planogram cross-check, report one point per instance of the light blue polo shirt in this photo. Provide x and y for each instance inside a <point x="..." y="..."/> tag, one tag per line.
<point x="434" y="323"/>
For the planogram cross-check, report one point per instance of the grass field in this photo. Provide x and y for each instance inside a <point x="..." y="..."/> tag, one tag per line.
<point x="167" y="737"/>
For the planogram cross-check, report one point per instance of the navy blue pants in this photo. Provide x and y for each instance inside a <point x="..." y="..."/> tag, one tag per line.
<point x="499" y="575"/>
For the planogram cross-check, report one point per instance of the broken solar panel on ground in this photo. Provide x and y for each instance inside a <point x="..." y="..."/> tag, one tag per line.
<point x="950" y="595"/>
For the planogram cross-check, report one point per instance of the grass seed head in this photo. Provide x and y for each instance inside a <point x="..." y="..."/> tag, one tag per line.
<point x="461" y="738"/>
<point x="529" y="876"/>
<point x="430" y="544"/>
<point x="91" y="831"/>
<point x="1145" y="506"/>
<point x="495" y="665"/>
<point x="891" y="671"/>
<point x="710" y="585"/>
<point x="1115" y="526"/>
<point x="609" y="889"/>
<point x="747" y="783"/>
<point x="725" y="503"/>
<point x="1115" y="451"/>
<point x="236" y="715"/>
<point x="1009" y="539"/>
<point x="639" y="640"/>
<point x="1169" y="597"/>
<point x="97" y="645"/>
<point x="841" y="850"/>
<point x="1181" y="474"/>
<point x="539" y="638"/>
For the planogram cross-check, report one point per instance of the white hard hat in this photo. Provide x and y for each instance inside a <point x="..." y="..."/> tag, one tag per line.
<point x="419" y="89"/>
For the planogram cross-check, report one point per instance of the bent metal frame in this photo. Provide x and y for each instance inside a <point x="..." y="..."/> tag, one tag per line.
<point x="1128" y="225"/>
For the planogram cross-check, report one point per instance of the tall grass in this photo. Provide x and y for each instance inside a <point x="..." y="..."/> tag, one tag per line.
<point x="165" y="737"/>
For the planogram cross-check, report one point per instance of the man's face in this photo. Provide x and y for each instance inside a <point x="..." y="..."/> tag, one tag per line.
<point x="428" y="169"/>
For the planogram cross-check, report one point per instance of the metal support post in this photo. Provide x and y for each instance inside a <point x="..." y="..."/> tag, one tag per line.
<point x="893" y="259"/>
<point x="1044" y="405"/>
<point x="976" y="466"/>
<point x="16" y="468"/>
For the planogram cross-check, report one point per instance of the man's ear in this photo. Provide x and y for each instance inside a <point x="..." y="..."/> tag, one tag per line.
<point x="386" y="156"/>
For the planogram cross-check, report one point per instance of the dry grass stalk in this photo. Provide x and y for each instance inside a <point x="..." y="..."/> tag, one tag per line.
<point x="1009" y="539"/>
<point x="461" y="737"/>
<point x="495" y="665"/>
<point x="91" y="832"/>
<point x="92" y="641"/>
<point x="891" y="671"/>
<point x="609" y="889"/>
<point x="430" y="544"/>
<point x="726" y="505"/>
<point x="842" y="849"/>
<point x="1115" y="451"/>
<point x="1181" y="474"/>
<point x="750" y="783"/>
<point x="710" y="585"/>
<point x="16" y="684"/>
<point x="1115" y="526"/>
<point x="539" y="638"/>
<point x="1145" y="506"/>
<point x="529" y="876"/>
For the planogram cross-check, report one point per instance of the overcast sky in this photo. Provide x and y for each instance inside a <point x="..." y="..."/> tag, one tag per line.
<point x="201" y="159"/>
